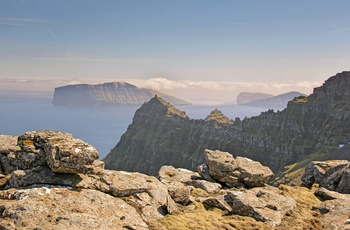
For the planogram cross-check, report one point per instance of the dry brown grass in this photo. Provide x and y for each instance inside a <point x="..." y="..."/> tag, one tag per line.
<point x="200" y="218"/>
<point x="301" y="217"/>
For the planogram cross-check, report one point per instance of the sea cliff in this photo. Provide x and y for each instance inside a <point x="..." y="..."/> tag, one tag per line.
<point x="112" y="93"/>
<point x="309" y="128"/>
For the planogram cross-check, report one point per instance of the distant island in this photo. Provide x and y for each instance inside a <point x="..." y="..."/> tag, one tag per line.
<point x="268" y="101"/>
<point x="246" y="97"/>
<point x="106" y="94"/>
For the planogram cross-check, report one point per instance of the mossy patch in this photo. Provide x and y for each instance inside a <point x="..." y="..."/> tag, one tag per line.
<point x="27" y="142"/>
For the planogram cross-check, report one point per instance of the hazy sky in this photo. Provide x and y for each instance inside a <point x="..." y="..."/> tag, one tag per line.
<point x="188" y="42"/>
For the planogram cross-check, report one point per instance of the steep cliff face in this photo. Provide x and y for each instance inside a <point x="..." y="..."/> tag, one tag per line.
<point x="309" y="126"/>
<point x="113" y="93"/>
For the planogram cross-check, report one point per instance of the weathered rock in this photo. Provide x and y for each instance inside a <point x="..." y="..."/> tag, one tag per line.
<point x="325" y="194"/>
<point x="180" y="194"/>
<point x="169" y="174"/>
<point x="236" y="171"/>
<point x="64" y="153"/>
<point x="62" y="208"/>
<point x="316" y="170"/>
<point x="14" y="157"/>
<point x="221" y="201"/>
<point x="124" y="184"/>
<point x="42" y="175"/>
<point x="3" y="180"/>
<point x="115" y="183"/>
<point x="60" y="151"/>
<point x="334" y="213"/>
<point x="337" y="179"/>
<point x="203" y="171"/>
<point x="177" y="183"/>
<point x="177" y="178"/>
<point x="8" y="144"/>
<point x="209" y="187"/>
<point x="265" y="204"/>
<point x="332" y="175"/>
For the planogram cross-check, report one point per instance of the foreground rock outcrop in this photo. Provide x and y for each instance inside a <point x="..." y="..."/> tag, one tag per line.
<point x="50" y="180"/>
<point x="308" y="129"/>
<point x="50" y="167"/>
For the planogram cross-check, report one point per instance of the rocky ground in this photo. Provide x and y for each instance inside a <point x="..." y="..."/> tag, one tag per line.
<point x="50" y="180"/>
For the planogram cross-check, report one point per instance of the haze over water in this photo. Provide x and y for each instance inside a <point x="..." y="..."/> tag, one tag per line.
<point x="100" y="126"/>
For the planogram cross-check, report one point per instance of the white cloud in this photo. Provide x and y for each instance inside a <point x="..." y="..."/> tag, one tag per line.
<point x="158" y="83"/>
<point x="197" y="92"/>
<point x="207" y="92"/>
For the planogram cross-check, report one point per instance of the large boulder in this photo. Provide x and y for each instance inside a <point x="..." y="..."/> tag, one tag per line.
<point x="315" y="171"/>
<point x="60" y="151"/>
<point x="145" y="193"/>
<point x="14" y="157"/>
<point x="266" y="204"/>
<point x="52" y="158"/>
<point x="64" y="208"/>
<point x="334" y="211"/>
<point x="64" y="153"/>
<point x="333" y="175"/>
<point x="236" y="171"/>
<point x="180" y="183"/>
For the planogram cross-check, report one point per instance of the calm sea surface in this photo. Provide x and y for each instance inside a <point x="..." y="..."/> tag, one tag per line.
<point x="101" y="126"/>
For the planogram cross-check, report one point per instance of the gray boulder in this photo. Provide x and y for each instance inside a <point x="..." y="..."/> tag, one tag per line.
<point x="64" y="153"/>
<point x="337" y="179"/>
<point x="315" y="171"/>
<point x="64" y="208"/>
<point x="236" y="171"/>
<point x="220" y="201"/>
<point x="60" y="151"/>
<point x="334" y="211"/>
<point x="14" y="157"/>
<point x="145" y="193"/>
<point x="266" y="204"/>
<point x="180" y="182"/>
<point x="333" y="175"/>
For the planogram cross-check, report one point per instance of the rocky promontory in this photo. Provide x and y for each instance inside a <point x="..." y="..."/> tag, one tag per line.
<point x="113" y="93"/>
<point x="51" y="180"/>
<point x="309" y="128"/>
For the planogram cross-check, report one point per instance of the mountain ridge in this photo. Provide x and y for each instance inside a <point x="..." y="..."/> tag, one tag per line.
<point x="309" y="126"/>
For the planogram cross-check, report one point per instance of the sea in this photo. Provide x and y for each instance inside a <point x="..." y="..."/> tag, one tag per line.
<point x="100" y="126"/>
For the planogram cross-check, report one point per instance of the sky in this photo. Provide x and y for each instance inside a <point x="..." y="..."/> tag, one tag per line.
<point x="203" y="50"/>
